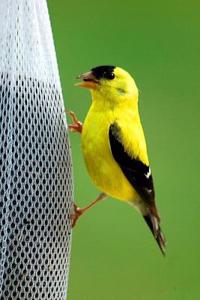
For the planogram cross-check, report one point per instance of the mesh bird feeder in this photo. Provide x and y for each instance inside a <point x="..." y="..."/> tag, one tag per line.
<point x="35" y="163"/>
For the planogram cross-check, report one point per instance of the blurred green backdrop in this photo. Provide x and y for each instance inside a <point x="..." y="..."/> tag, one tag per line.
<point x="114" y="255"/>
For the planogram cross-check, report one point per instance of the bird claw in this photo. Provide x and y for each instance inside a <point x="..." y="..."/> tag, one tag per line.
<point x="76" y="125"/>
<point x="77" y="212"/>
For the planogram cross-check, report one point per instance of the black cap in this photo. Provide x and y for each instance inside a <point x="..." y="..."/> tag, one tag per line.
<point x="106" y="72"/>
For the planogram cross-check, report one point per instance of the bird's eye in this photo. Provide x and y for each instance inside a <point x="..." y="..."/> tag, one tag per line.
<point x="112" y="75"/>
<point x="109" y="75"/>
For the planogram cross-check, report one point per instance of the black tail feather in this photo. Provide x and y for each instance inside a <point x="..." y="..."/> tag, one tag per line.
<point x="153" y="223"/>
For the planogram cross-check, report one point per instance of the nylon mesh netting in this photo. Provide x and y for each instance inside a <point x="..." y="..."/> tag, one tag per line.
<point x="35" y="163"/>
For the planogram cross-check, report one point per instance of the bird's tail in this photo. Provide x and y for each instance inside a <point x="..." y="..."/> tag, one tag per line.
<point x="153" y="221"/>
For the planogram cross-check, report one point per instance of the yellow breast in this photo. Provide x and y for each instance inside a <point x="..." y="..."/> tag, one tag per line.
<point x="103" y="169"/>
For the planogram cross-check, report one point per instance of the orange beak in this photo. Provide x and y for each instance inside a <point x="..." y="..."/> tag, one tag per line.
<point x="89" y="81"/>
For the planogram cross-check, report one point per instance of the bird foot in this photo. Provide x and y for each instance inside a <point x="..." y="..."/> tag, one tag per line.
<point x="76" y="125"/>
<point x="77" y="212"/>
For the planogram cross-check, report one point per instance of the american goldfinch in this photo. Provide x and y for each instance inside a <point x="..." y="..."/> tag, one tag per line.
<point x="114" y="146"/>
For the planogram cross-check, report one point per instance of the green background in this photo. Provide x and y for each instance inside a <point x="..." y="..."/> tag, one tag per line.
<point x="114" y="255"/>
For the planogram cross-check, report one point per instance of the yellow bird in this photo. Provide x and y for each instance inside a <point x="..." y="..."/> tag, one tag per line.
<point x="114" y="146"/>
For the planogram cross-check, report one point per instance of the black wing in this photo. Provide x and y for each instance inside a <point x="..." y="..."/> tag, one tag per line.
<point x="137" y="173"/>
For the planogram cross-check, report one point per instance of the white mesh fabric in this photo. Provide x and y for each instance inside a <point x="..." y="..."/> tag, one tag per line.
<point x="35" y="163"/>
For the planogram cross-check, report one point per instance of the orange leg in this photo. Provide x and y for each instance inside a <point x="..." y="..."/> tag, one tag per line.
<point x="76" y="125"/>
<point x="80" y="211"/>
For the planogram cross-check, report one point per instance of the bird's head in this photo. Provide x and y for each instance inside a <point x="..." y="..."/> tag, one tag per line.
<point x="109" y="83"/>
